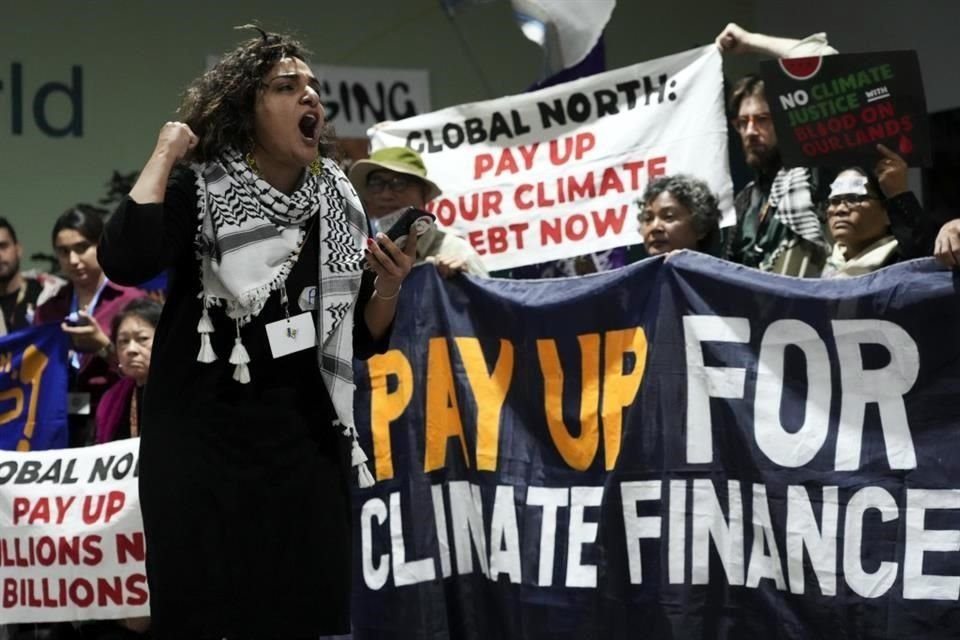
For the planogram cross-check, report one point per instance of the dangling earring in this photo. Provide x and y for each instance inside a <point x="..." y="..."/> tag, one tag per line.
<point x="315" y="167"/>
<point x="252" y="162"/>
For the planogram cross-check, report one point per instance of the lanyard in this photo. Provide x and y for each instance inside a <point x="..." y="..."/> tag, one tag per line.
<point x="134" y="415"/>
<point x="75" y="302"/>
<point x="75" y="306"/>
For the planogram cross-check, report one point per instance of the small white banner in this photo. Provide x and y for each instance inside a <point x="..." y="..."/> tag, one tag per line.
<point x="556" y="173"/>
<point x="356" y="98"/>
<point x="71" y="537"/>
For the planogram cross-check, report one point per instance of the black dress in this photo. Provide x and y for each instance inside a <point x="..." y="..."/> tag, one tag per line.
<point x="244" y="488"/>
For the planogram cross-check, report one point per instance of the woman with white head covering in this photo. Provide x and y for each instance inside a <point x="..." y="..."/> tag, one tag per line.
<point x="874" y="219"/>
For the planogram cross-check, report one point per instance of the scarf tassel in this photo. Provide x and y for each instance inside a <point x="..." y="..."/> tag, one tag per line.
<point x="205" y="328"/>
<point x="357" y="455"/>
<point x="240" y="358"/>
<point x="358" y="459"/>
<point x="364" y="478"/>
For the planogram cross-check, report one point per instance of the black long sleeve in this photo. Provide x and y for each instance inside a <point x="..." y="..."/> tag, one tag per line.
<point x="141" y="240"/>
<point x="914" y="230"/>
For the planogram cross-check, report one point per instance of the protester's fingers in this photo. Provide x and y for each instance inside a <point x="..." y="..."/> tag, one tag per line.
<point x="881" y="168"/>
<point x="177" y="138"/>
<point x="953" y="249"/>
<point x="450" y="267"/>
<point x="947" y="248"/>
<point x="891" y="172"/>
<point x="730" y="39"/>
<point x="889" y="153"/>
<point x="79" y="330"/>
<point x="386" y="262"/>
<point x="389" y="247"/>
<point x="376" y="267"/>
<point x="373" y="262"/>
<point x="88" y="319"/>
<point x="889" y="162"/>
<point x="402" y="258"/>
<point x="410" y="249"/>
<point x="369" y="262"/>
<point x="940" y="247"/>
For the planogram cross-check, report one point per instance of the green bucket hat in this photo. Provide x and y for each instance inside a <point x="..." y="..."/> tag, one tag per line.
<point x="399" y="159"/>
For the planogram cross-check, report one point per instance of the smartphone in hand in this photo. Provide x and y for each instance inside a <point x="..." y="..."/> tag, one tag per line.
<point x="75" y="319"/>
<point x="412" y="221"/>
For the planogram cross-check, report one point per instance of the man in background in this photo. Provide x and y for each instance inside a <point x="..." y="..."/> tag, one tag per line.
<point x="778" y="228"/>
<point x="20" y="294"/>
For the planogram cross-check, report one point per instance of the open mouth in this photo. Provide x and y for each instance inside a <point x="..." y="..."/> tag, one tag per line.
<point x="309" y="126"/>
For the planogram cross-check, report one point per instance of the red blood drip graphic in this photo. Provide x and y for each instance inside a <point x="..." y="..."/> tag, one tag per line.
<point x="905" y="146"/>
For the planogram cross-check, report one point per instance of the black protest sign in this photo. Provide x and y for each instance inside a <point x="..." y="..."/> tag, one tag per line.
<point x="834" y="110"/>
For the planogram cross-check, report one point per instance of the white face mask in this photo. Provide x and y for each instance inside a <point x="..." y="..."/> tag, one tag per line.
<point x="383" y="223"/>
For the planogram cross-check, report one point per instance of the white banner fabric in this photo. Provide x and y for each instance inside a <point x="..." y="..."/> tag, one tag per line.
<point x="71" y="536"/>
<point x="556" y="173"/>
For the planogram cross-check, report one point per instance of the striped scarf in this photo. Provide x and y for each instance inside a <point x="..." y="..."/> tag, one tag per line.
<point x="249" y="238"/>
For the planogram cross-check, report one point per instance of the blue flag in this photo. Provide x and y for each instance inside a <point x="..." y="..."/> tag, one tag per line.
<point x="33" y="389"/>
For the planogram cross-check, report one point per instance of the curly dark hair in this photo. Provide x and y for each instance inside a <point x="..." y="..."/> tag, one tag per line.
<point x="219" y="105"/>
<point x="696" y="196"/>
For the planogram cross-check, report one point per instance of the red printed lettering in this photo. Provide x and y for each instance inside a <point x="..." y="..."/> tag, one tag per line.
<point x="102" y="506"/>
<point x="130" y="546"/>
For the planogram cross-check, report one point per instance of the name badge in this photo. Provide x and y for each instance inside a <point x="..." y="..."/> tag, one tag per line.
<point x="292" y="334"/>
<point x="308" y="299"/>
<point x="78" y="404"/>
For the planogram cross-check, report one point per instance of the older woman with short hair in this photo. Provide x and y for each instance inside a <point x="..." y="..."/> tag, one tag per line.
<point x="133" y="328"/>
<point x="679" y="212"/>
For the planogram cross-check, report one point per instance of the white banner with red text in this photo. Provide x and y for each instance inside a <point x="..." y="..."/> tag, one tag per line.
<point x="71" y="537"/>
<point x="556" y="173"/>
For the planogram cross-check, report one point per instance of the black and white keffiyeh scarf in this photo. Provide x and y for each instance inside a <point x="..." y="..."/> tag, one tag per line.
<point x="249" y="238"/>
<point x="791" y="199"/>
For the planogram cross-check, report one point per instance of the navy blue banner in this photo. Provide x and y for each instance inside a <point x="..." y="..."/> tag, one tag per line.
<point x="33" y="389"/>
<point x="682" y="448"/>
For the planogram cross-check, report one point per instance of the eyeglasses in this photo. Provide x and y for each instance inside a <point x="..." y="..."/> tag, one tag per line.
<point x="759" y="120"/>
<point x="396" y="184"/>
<point x="850" y="199"/>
